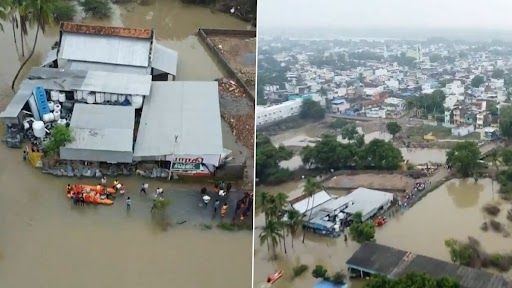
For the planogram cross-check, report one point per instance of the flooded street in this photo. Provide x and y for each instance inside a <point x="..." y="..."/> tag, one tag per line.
<point x="60" y="245"/>
<point x="454" y="210"/>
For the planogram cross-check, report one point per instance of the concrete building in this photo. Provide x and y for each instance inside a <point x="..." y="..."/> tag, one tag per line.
<point x="339" y="105"/>
<point x="271" y="114"/>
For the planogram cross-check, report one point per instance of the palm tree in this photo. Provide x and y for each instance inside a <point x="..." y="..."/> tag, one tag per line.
<point x="280" y="200"/>
<point x="271" y="234"/>
<point x="294" y="221"/>
<point x="310" y="188"/>
<point x="265" y="200"/>
<point x="34" y="12"/>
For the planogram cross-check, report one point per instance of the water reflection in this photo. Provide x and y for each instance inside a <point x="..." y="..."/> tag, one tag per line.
<point x="464" y="193"/>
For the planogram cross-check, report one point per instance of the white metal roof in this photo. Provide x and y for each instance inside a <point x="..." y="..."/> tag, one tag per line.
<point x="105" y="49"/>
<point x="180" y="118"/>
<point x="311" y="202"/>
<point x="366" y="200"/>
<point x="102" y="127"/>
<point x="106" y="67"/>
<point x="119" y="83"/>
<point x="164" y="59"/>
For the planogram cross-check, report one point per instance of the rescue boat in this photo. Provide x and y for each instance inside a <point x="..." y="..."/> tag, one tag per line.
<point x="91" y="195"/>
<point x="272" y="278"/>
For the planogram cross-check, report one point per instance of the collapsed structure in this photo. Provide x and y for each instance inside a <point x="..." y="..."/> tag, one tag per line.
<point x="114" y="87"/>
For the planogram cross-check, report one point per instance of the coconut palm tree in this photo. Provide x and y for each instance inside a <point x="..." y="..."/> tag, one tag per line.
<point x="265" y="201"/>
<point x="280" y="200"/>
<point x="310" y="188"/>
<point x="270" y="235"/>
<point x="34" y="12"/>
<point x="294" y="221"/>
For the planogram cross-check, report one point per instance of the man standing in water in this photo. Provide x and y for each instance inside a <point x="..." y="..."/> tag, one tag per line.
<point x="128" y="203"/>
<point x="143" y="188"/>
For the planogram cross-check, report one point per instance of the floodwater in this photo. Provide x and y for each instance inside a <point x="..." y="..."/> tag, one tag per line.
<point x="47" y="242"/>
<point x="454" y="210"/>
<point x="424" y="155"/>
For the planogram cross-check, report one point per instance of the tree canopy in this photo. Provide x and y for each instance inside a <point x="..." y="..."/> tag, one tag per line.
<point x="380" y="155"/>
<point x="267" y="161"/>
<point x="411" y="280"/>
<point x="464" y="158"/>
<point x="498" y="74"/>
<point x="393" y="128"/>
<point x="311" y="110"/>
<point x="506" y="121"/>
<point x="361" y="231"/>
<point x="430" y="103"/>
<point x="477" y="81"/>
<point x="60" y="135"/>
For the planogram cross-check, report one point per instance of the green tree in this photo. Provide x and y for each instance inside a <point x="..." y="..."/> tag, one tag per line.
<point x="34" y="12"/>
<point x="361" y="231"/>
<point x="270" y="235"/>
<point x="328" y="154"/>
<point x="64" y="10"/>
<point x="498" y="74"/>
<point x="60" y="135"/>
<point x="464" y="158"/>
<point x="477" y="81"/>
<point x="311" y="110"/>
<point x="310" y="188"/>
<point x="435" y="58"/>
<point x="97" y="8"/>
<point x="339" y="123"/>
<point x="319" y="272"/>
<point x="159" y="212"/>
<point x="349" y="132"/>
<point x="431" y="103"/>
<point x="393" y="128"/>
<point x="338" y="278"/>
<point x="381" y="155"/>
<point x="492" y="108"/>
<point x="506" y="121"/>
<point x="267" y="161"/>
<point x="460" y="253"/>
<point x="506" y="156"/>
<point x="294" y="221"/>
<point x="411" y="280"/>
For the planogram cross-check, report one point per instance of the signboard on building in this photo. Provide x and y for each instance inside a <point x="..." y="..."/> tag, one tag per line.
<point x="181" y="166"/>
<point x="211" y="159"/>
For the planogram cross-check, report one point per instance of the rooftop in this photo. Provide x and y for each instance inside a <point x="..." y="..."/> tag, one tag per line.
<point x="180" y="117"/>
<point x="106" y="30"/>
<point x="104" y="130"/>
<point x="394" y="263"/>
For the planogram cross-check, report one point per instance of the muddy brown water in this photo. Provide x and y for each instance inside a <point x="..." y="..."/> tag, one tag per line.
<point x="47" y="242"/>
<point x="454" y="210"/>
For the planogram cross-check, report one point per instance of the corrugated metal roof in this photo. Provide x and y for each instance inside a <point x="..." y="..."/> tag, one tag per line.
<point x="106" y="30"/>
<point x="307" y="203"/>
<point x="101" y="128"/>
<point x="188" y="111"/>
<point x="119" y="83"/>
<point x="50" y="57"/>
<point x="18" y="101"/>
<point x="105" y="67"/>
<point x="164" y="59"/>
<point x="111" y="49"/>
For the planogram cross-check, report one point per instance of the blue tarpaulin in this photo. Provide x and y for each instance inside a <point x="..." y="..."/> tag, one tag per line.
<point x="327" y="284"/>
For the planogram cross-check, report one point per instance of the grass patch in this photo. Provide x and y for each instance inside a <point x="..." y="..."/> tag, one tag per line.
<point x="439" y="132"/>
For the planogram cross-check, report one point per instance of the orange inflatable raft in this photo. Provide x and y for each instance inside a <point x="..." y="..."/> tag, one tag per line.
<point x="91" y="194"/>
<point x="272" y="278"/>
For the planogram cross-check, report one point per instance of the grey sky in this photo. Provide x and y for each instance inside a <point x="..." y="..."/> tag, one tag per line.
<point x="457" y="14"/>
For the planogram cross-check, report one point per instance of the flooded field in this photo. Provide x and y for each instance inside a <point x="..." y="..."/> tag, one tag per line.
<point x="60" y="245"/>
<point x="454" y="210"/>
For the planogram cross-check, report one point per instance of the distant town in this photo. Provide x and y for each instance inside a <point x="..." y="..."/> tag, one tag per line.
<point x="384" y="79"/>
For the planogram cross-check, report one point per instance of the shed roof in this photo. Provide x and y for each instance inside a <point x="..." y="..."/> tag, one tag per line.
<point x="106" y="30"/>
<point x="366" y="200"/>
<point x="119" y="83"/>
<point x="105" y="49"/>
<point x="101" y="128"/>
<point x="105" y="67"/>
<point x="395" y="263"/>
<point x="180" y="118"/>
<point x="164" y="59"/>
<point x="307" y="203"/>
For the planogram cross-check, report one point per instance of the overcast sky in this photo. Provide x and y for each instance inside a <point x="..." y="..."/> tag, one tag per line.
<point x="429" y="14"/>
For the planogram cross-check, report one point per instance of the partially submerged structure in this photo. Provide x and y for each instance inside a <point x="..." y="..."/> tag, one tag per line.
<point x="329" y="214"/>
<point x="372" y="258"/>
<point x="117" y="98"/>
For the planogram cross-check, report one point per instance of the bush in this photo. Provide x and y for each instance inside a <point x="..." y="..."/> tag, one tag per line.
<point x="64" y="11"/>
<point x="339" y="123"/>
<point x="97" y="8"/>
<point x="338" y="278"/>
<point x="299" y="270"/>
<point x="319" y="272"/>
<point x="60" y="135"/>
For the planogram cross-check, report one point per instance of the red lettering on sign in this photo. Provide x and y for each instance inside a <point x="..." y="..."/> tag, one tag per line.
<point x="189" y="160"/>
